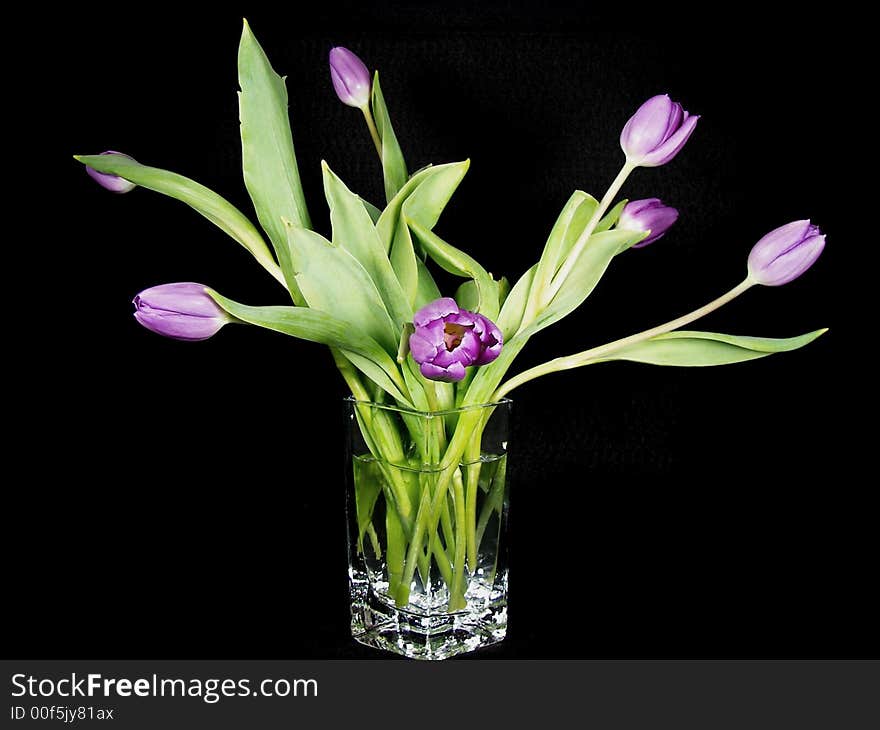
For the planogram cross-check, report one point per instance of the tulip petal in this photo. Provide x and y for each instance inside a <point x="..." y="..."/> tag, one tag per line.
<point x="659" y="221"/>
<point x="185" y="296"/>
<point x="671" y="147"/>
<point x="437" y="309"/>
<point x="794" y="262"/>
<point x="676" y="116"/>
<point x="421" y="348"/>
<point x="178" y="326"/>
<point x="182" y="311"/>
<point x="452" y="374"/>
<point x="647" y="128"/>
<point x="350" y="77"/>
<point x="777" y="242"/>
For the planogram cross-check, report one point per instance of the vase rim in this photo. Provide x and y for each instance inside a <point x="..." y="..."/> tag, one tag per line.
<point x="415" y="411"/>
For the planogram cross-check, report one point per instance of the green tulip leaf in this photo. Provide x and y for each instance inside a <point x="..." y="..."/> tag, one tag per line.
<point x="704" y="349"/>
<point x="405" y="262"/>
<point x="424" y="196"/>
<point x="611" y="217"/>
<point x="426" y="289"/>
<point x="588" y="270"/>
<point x="316" y="326"/>
<point x="354" y="232"/>
<point x="393" y="164"/>
<point x="503" y="290"/>
<point x="466" y="296"/>
<point x="216" y="209"/>
<point x="427" y="201"/>
<point x="457" y="262"/>
<point x="591" y="265"/>
<point x="372" y="211"/>
<point x="386" y="225"/>
<point x="333" y="280"/>
<point x="510" y="318"/>
<point x="569" y="225"/>
<point x="269" y="164"/>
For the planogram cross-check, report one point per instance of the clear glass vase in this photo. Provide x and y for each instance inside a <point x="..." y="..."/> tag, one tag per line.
<point x="426" y="505"/>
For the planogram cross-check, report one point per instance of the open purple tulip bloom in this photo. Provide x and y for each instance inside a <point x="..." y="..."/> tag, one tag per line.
<point x="785" y="253"/>
<point x="448" y="339"/>
<point x="656" y="132"/>
<point x="647" y="215"/>
<point x="350" y="77"/>
<point x="182" y="311"/>
<point x="113" y="183"/>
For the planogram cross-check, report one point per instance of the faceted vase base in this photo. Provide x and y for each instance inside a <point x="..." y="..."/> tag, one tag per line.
<point x="378" y="623"/>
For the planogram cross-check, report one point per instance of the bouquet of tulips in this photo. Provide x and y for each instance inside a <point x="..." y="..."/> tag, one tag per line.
<point x="368" y="293"/>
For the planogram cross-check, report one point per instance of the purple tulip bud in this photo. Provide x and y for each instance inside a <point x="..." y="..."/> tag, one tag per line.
<point x="182" y="311"/>
<point x="350" y="77"/>
<point x="647" y="215"/>
<point x="448" y="339"/>
<point x="656" y="132"/>
<point x="113" y="183"/>
<point x="785" y="253"/>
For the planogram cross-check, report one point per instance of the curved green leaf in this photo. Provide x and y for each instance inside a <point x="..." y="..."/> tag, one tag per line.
<point x="386" y="225"/>
<point x="704" y="349"/>
<point x="316" y="326"/>
<point x="424" y="196"/>
<point x="590" y="267"/>
<point x="568" y="226"/>
<point x="393" y="164"/>
<point x="332" y="280"/>
<point x="372" y="211"/>
<point x="426" y="290"/>
<point x="466" y="295"/>
<point x="510" y="318"/>
<point x="354" y="231"/>
<point x="611" y="217"/>
<point x="405" y="262"/>
<point x="588" y="270"/>
<point x="269" y="164"/>
<point x="427" y="201"/>
<point x="459" y="263"/>
<point x="216" y="209"/>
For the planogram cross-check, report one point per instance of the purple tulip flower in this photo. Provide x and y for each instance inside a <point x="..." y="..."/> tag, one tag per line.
<point x="182" y="311"/>
<point x="113" y="183"/>
<point x="785" y="253"/>
<point x="656" y="132"/>
<point x="350" y="77"/>
<point x="647" y="215"/>
<point x="448" y="339"/>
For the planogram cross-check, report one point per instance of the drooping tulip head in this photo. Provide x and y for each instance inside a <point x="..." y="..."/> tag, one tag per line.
<point x="785" y="253"/>
<point x="113" y="183"/>
<point x="447" y="339"/>
<point x="351" y="78"/>
<point x="181" y="311"/>
<point x="656" y="132"/>
<point x="647" y="215"/>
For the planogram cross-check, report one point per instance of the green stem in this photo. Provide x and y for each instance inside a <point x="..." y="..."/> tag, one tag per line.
<point x="494" y="500"/>
<point x="596" y="354"/>
<point x="442" y="560"/>
<point x="448" y="533"/>
<point x="374" y="133"/>
<point x="428" y="515"/>
<point x="374" y="540"/>
<point x="456" y="590"/>
<point x="571" y="259"/>
<point x="472" y="459"/>
<point x="414" y="553"/>
<point x="395" y="552"/>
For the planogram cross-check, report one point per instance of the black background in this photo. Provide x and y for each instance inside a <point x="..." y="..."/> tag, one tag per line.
<point x="185" y="500"/>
